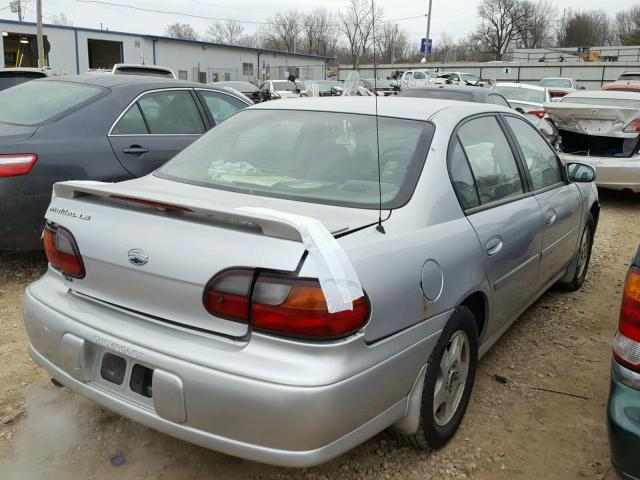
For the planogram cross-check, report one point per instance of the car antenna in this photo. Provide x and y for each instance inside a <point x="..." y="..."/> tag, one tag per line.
<point x="380" y="228"/>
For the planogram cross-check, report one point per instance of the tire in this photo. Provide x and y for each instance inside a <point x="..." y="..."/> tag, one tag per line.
<point x="584" y="257"/>
<point x="436" y="428"/>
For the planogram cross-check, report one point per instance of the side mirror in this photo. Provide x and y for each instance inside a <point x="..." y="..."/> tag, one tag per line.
<point x="581" y="172"/>
<point x="274" y="96"/>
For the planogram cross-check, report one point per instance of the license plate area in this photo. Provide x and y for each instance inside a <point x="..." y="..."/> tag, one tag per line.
<point x="125" y="376"/>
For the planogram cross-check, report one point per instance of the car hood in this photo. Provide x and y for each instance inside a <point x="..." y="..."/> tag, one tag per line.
<point x="596" y="120"/>
<point x="15" y="133"/>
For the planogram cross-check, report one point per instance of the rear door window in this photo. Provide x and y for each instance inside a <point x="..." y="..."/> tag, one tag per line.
<point x="540" y="159"/>
<point x="462" y="178"/>
<point x="491" y="160"/>
<point x="171" y="112"/>
<point x="220" y="105"/>
<point x="131" y="123"/>
<point x="17" y="105"/>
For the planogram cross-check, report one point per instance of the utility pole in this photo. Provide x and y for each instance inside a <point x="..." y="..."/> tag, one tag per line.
<point x="426" y="42"/>
<point x="40" y="37"/>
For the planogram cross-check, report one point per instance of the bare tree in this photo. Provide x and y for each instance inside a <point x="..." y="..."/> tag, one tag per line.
<point x="229" y="32"/>
<point x="445" y="49"/>
<point x="283" y="31"/>
<point x="60" y="19"/>
<point x="585" y="29"/>
<point x="181" y="30"/>
<point x="536" y="29"/>
<point x="627" y="26"/>
<point x="500" y="25"/>
<point x="356" y="23"/>
<point x="319" y="35"/>
<point x="392" y="44"/>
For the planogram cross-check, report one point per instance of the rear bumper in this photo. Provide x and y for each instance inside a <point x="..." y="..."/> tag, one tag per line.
<point x="21" y="216"/>
<point x="291" y="414"/>
<point x="612" y="173"/>
<point x="623" y="420"/>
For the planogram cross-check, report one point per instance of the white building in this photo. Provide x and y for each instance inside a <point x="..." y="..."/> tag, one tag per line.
<point x="74" y="50"/>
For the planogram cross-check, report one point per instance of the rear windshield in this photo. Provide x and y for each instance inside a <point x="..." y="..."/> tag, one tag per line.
<point x="285" y="86"/>
<point x="149" y="72"/>
<point x="37" y="102"/>
<point x="521" y="94"/>
<point x="11" y="79"/>
<point x="626" y="77"/>
<point x="440" y="93"/>
<point x="320" y="157"/>
<point x="556" y="82"/>
<point x="469" y="77"/>
<point x="241" y="87"/>
<point x="604" y="102"/>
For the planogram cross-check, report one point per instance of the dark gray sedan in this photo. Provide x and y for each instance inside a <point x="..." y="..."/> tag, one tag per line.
<point x="93" y="127"/>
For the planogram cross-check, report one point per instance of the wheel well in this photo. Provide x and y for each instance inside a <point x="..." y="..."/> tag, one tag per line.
<point x="478" y="306"/>
<point x="595" y="213"/>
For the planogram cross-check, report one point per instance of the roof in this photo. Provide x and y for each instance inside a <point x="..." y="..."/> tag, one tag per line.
<point x="172" y="39"/>
<point x="408" y="107"/>
<point x="24" y="69"/>
<point x="605" y="94"/>
<point x="520" y="85"/>
<point x="109" y="80"/>
<point x="478" y="93"/>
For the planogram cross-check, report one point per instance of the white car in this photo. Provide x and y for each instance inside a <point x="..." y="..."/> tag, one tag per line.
<point x="10" y="77"/>
<point x="458" y="78"/>
<point x="558" y="87"/>
<point x="281" y="89"/>
<point x="524" y="98"/>
<point x="601" y="128"/>
<point x="416" y="78"/>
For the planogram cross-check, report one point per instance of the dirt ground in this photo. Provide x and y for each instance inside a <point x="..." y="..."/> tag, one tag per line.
<point x="512" y="430"/>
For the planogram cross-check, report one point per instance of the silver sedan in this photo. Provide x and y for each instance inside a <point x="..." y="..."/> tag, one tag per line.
<point x="309" y="273"/>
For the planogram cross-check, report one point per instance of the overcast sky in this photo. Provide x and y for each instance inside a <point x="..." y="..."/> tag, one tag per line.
<point x="456" y="17"/>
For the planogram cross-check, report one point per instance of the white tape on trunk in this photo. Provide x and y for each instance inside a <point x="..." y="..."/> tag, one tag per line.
<point x="338" y="279"/>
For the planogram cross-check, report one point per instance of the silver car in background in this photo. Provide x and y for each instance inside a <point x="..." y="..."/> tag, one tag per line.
<point x="523" y="97"/>
<point x="601" y="128"/>
<point x="201" y="300"/>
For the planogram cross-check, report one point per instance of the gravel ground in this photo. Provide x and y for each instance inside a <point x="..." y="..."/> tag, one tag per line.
<point x="513" y="429"/>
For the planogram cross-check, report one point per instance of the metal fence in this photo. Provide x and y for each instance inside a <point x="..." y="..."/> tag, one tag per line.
<point x="589" y="75"/>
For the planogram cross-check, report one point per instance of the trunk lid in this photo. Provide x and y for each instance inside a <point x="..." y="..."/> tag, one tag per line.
<point x="596" y="120"/>
<point x="184" y="250"/>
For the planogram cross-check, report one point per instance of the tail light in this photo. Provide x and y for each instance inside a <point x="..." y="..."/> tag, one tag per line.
<point x="626" y="345"/>
<point x="633" y="126"/>
<point x="287" y="306"/>
<point x="62" y="251"/>
<point x="557" y="94"/>
<point x="537" y="113"/>
<point x="17" y="164"/>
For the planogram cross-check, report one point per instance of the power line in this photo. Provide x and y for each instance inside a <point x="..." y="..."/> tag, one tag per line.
<point x="203" y="17"/>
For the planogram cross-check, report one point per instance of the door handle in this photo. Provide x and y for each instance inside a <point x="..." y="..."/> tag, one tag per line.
<point x="551" y="217"/>
<point x="494" y="245"/>
<point x="135" y="150"/>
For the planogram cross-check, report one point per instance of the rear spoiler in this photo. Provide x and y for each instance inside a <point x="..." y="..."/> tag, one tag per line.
<point x="338" y="278"/>
<point x="269" y="225"/>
